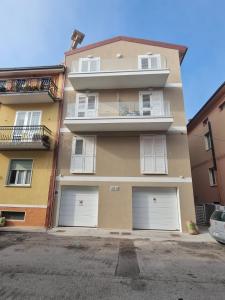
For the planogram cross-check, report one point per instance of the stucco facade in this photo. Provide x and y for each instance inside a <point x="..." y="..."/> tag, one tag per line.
<point x="32" y="198"/>
<point x="118" y="154"/>
<point x="202" y="159"/>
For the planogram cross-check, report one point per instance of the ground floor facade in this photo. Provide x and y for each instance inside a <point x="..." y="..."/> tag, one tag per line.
<point x="124" y="202"/>
<point x="24" y="187"/>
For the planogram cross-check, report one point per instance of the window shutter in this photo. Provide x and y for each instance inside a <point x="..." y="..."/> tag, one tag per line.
<point x="154" y="62"/>
<point x="84" y="65"/>
<point x="89" y="160"/>
<point x="153" y="154"/>
<point x="20" y="118"/>
<point x="156" y="103"/>
<point x="83" y="155"/>
<point x="144" y="63"/>
<point x="94" y="64"/>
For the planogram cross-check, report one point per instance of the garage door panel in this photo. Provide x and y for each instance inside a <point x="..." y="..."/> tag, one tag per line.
<point x="155" y="208"/>
<point x="79" y="207"/>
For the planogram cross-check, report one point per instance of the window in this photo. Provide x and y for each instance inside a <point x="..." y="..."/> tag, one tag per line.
<point x="205" y="122"/>
<point x="83" y="154"/>
<point x="212" y="176"/>
<point x="20" y="172"/>
<point x="208" y="141"/>
<point x="13" y="215"/>
<point x="146" y="62"/>
<point x="218" y="216"/>
<point x="88" y="65"/>
<point x="151" y="103"/>
<point x="86" y="105"/>
<point x="153" y="154"/>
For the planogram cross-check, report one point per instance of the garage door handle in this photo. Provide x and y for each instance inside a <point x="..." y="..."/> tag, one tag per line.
<point x="154" y="199"/>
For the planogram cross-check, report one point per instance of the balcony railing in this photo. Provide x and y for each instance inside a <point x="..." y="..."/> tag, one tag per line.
<point x="28" y="85"/>
<point x="158" y="62"/>
<point x="24" y="137"/>
<point x="119" y="109"/>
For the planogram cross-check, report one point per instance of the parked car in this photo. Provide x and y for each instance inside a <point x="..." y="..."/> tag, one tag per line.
<point x="217" y="224"/>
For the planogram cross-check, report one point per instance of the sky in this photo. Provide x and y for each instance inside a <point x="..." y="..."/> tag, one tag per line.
<point x="38" y="32"/>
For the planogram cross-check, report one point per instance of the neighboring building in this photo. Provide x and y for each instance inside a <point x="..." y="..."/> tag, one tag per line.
<point x="206" y="134"/>
<point x="124" y="160"/>
<point x="30" y="101"/>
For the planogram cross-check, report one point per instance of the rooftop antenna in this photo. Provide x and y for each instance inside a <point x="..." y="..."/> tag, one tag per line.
<point x="77" y="38"/>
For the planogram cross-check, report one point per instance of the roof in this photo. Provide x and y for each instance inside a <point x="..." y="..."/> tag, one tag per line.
<point x="182" y="49"/>
<point x="206" y="107"/>
<point x="27" y="71"/>
<point x="52" y="67"/>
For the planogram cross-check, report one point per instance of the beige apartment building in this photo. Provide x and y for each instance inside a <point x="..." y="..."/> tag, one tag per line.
<point x="123" y="159"/>
<point x="206" y="137"/>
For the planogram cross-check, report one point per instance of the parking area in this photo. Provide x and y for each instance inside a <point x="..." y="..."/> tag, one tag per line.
<point x="46" y="266"/>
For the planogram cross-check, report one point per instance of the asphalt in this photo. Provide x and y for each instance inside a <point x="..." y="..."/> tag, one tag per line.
<point x="43" y="266"/>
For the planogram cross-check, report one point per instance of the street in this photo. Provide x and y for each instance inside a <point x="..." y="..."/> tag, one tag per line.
<point x="44" y="266"/>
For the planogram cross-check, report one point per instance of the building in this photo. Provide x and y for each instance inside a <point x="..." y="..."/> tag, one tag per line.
<point x="123" y="158"/>
<point x="206" y="137"/>
<point x="30" y="104"/>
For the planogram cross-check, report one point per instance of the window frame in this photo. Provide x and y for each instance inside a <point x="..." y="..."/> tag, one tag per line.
<point x="83" y="171"/>
<point x="212" y="175"/>
<point x="88" y="59"/>
<point x="148" y="56"/>
<point x="208" y="141"/>
<point x="144" y="136"/>
<point x="9" y="173"/>
<point x="86" y="95"/>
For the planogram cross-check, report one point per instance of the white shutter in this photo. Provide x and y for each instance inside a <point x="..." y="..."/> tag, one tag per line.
<point x="153" y="154"/>
<point x="85" y="161"/>
<point x="86" y="105"/>
<point x="156" y="103"/>
<point x="20" y="118"/>
<point x="89" y="159"/>
<point x="84" y="65"/>
<point x="94" y="64"/>
<point x="35" y="118"/>
<point x="154" y="61"/>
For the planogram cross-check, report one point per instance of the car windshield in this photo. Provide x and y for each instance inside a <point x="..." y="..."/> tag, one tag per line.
<point x="218" y="216"/>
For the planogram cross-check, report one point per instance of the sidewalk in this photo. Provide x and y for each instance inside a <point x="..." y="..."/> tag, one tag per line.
<point x="153" y="235"/>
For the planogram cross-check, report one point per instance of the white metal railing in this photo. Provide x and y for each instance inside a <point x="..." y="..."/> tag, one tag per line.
<point x="121" y="64"/>
<point x="119" y="109"/>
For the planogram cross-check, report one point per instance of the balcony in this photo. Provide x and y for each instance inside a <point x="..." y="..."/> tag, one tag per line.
<point x="24" y="138"/>
<point x="27" y="90"/>
<point x="119" y="73"/>
<point x="119" y="116"/>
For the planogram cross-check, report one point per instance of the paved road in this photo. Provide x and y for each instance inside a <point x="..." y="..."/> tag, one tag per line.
<point x="42" y="266"/>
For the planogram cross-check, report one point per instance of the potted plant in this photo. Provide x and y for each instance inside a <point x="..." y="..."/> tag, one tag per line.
<point x="2" y="220"/>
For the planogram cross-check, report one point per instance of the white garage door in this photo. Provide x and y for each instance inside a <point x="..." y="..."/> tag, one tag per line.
<point x="155" y="208"/>
<point x="79" y="207"/>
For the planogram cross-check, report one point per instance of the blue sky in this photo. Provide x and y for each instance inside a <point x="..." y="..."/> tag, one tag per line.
<point x="37" y="32"/>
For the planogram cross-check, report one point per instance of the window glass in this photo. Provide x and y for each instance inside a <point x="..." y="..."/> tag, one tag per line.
<point x="217" y="215"/>
<point x="79" y="147"/>
<point x="144" y="63"/>
<point x="91" y="102"/>
<point x="20" y="172"/>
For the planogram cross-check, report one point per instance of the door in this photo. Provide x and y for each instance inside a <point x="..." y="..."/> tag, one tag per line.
<point x="151" y="103"/>
<point x="26" y="123"/>
<point x="86" y="106"/>
<point x="79" y="207"/>
<point x="155" y="208"/>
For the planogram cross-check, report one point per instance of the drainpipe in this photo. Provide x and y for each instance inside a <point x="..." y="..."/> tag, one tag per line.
<point x="214" y="160"/>
<point x="52" y="185"/>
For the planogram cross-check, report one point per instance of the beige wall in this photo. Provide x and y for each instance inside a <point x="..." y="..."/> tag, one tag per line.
<point x="130" y="52"/>
<point x="201" y="159"/>
<point x="115" y="208"/>
<point x="120" y="155"/>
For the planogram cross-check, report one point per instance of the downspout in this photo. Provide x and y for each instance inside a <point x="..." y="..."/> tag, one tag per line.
<point x="214" y="159"/>
<point x="52" y="185"/>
